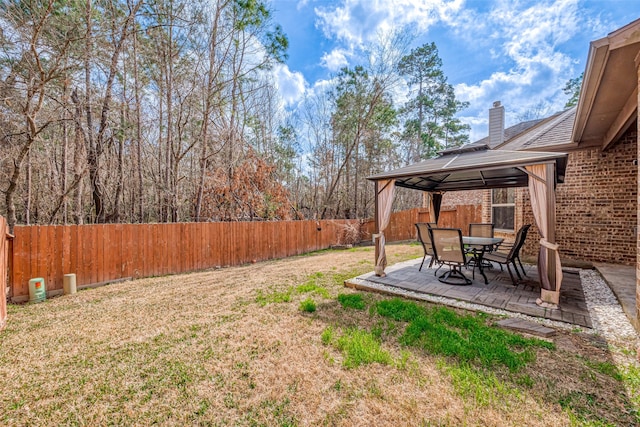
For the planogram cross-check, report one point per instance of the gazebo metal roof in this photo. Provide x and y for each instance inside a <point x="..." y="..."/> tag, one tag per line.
<point x="473" y="168"/>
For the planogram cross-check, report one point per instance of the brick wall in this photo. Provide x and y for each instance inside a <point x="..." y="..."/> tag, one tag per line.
<point x="486" y="206"/>
<point x="596" y="212"/>
<point x="452" y="199"/>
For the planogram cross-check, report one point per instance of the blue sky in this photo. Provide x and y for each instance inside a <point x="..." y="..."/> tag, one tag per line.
<point x="519" y="52"/>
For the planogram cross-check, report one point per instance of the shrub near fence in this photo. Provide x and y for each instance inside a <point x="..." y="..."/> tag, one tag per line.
<point x="103" y="253"/>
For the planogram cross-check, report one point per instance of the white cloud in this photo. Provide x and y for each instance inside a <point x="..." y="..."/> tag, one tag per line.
<point x="528" y="39"/>
<point x="357" y="21"/>
<point x="335" y="60"/>
<point x="291" y="85"/>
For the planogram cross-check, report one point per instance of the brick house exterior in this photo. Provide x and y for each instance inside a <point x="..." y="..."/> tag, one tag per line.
<point x="596" y="213"/>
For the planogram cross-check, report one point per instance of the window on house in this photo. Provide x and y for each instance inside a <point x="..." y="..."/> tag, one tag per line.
<point x="503" y="208"/>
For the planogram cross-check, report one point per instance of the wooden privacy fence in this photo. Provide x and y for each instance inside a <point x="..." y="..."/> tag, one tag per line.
<point x="103" y="253"/>
<point x="401" y="225"/>
<point x="4" y="266"/>
<point x="460" y="217"/>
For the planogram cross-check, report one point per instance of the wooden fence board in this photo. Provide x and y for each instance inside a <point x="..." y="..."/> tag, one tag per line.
<point x="91" y="255"/>
<point x="18" y="273"/>
<point x="73" y="250"/>
<point x="39" y="264"/>
<point x="138" y="250"/>
<point x="33" y="265"/>
<point x="108" y="247"/>
<point x="151" y="258"/>
<point x="66" y="249"/>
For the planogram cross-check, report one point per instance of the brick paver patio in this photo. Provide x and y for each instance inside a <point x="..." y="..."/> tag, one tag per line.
<point x="499" y="293"/>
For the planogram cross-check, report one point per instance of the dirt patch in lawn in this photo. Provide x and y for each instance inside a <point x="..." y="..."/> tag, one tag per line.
<point x="233" y="347"/>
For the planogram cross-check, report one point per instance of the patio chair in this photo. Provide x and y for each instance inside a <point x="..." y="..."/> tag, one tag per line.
<point x="505" y="258"/>
<point x="448" y="249"/>
<point x="425" y="240"/>
<point x="479" y="230"/>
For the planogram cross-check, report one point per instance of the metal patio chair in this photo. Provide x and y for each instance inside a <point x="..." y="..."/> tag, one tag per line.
<point x="484" y="229"/>
<point x="425" y="239"/>
<point x="448" y="248"/>
<point x="505" y="258"/>
<point x="481" y="229"/>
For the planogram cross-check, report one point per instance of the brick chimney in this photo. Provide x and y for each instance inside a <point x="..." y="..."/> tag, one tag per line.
<point x="496" y="125"/>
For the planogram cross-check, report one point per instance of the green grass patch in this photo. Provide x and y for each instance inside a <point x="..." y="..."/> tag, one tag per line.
<point x="479" y="386"/>
<point x="354" y="301"/>
<point x="273" y="297"/>
<point x="313" y="284"/>
<point x="339" y="278"/>
<point x="468" y="338"/>
<point x="310" y="287"/>
<point x="327" y="335"/>
<point x="606" y="368"/>
<point x="360" y="347"/>
<point x="308" y="305"/>
<point x="361" y="249"/>
<point x="631" y="377"/>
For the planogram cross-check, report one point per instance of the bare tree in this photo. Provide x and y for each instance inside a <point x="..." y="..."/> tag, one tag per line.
<point x="36" y="53"/>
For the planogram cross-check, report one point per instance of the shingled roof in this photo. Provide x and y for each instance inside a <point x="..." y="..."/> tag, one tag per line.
<point x="509" y="132"/>
<point x="550" y="134"/>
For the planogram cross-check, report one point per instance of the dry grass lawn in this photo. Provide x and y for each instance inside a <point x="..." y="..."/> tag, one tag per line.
<point x="233" y="347"/>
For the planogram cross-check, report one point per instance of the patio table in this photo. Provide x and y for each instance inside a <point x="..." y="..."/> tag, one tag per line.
<point x="486" y="243"/>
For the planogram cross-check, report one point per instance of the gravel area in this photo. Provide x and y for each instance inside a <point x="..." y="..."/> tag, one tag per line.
<point x="607" y="315"/>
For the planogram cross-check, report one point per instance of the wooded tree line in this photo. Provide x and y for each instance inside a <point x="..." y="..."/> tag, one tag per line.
<point x="166" y="110"/>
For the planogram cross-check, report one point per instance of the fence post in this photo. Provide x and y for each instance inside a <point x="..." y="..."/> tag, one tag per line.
<point x="4" y="269"/>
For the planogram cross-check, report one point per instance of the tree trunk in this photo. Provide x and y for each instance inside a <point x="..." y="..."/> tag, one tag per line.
<point x="79" y="160"/>
<point x="138" y="128"/>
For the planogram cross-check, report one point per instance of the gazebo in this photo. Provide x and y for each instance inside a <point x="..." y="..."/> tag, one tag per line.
<point x="477" y="167"/>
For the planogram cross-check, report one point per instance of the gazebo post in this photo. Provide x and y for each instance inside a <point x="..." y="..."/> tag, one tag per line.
<point x="432" y="209"/>
<point x="435" y="202"/>
<point x="376" y="216"/>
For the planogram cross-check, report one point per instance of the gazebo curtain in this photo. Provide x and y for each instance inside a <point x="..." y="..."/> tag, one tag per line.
<point x="386" y="192"/>
<point x="540" y="204"/>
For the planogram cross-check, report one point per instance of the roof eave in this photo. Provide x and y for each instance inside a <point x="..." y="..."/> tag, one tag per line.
<point x="596" y="61"/>
<point x="558" y="148"/>
<point x="600" y="54"/>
